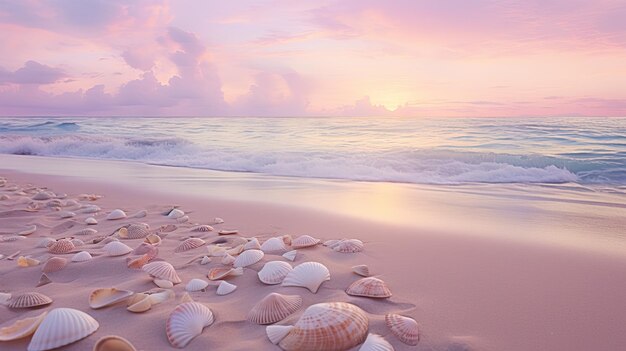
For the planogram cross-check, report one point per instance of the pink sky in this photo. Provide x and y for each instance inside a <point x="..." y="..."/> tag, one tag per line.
<point x="314" y="58"/>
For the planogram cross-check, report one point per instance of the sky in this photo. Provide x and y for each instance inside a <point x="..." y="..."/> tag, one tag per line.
<point x="313" y="58"/>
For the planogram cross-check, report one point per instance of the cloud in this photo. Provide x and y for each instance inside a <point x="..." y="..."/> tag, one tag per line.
<point x="32" y="73"/>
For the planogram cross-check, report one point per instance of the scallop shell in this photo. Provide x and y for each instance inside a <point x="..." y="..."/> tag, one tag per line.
<point x="113" y="343"/>
<point x="331" y="326"/>
<point x="404" y="328"/>
<point x="361" y="270"/>
<point x="228" y="232"/>
<point x="28" y="300"/>
<point x="248" y="257"/>
<point x="116" y="248"/>
<point x="21" y="328"/>
<point x="162" y="270"/>
<point x="217" y="273"/>
<point x="274" y="272"/>
<point x="290" y="255"/>
<point x="274" y="307"/>
<point x="28" y="231"/>
<point x="189" y="244"/>
<point x="43" y="280"/>
<point x="27" y="261"/>
<point x="116" y="214"/>
<point x="225" y="288"/>
<point x="137" y="231"/>
<point x="54" y="264"/>
<point x="60" y="327"/>
<point x="375" y="342"/>
<point x="308" y="275"/>
<point x="45" y="242"/>
<point x="186" y="322"/>
<point x="91" y="221"/>
<point x="304" y="241"/>
<point x="227" y="259"/>
<point x="253" y="244"/>
<point x="61" y="246"/>
<point x="348" y="246"/>
<point x="196" y="285"/>
<point x="277" y="332"/>
<point x="273" y="245"/>
<point x="162" y="283"/>
<point x="153" y="239"/>
<point x="369" y="287"/>
<point x="144" y="248"/>
<point x="202" y="228"/>
<point x="205" y="260"/>
<point x="81" y="257"/>
<point x="107" y="296"/>
<point x="175" y="214"/>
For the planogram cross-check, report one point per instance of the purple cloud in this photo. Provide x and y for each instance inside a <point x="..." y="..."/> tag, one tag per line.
<point x="32" y="73"/>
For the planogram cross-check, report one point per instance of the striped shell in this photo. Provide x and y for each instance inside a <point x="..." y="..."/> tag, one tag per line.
<point x="202" y="228"/>
<point x="308" y="275"/>
<point x="225" y="288"/>
<point x="348" y="246"/>
<point x="54" y="264"/>
<point x="186" y="322"/>
<point x="196" y="285"/>
<point x="62" y="326"/>
<point x="61" y="246"/>
<point x="274" y="272"/>
<point x="290" y="255"/>
<point x="217" y="273"/>
<point x="162" y="270"/>
<point x="404" y="328"/>
<point x="189" y="244"/>
<point x="273" y="245"/>
<point x="28" y="300"/>
<point x="113" y="343"/>
<point x="116" y="248"/>
<point x="21" y="328"/>
<point x="81" y="257"/>
<point x="116" y="214"/>
<point x="369" y="287"/>
<point x="253" y="244"/>
<point x="274" y="307"/>
<point x="107" y="296"/>
<point x="361" y="270"/>
<point x="277" y="332"/>
<point x="137" y="231"/>
<point x="331" y="326"/>
<point x="248" y="257"/>
<point x="375" y="342"/>
<point x="304" y="241"/>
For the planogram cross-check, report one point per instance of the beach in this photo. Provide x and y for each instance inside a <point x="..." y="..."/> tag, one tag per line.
<point x="506" y="267"/>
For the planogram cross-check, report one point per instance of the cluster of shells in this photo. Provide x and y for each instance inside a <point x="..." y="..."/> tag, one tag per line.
<point x="221" y="252"/>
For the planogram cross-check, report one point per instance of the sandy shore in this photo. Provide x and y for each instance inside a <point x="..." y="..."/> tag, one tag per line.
<point x="467" y="292"/>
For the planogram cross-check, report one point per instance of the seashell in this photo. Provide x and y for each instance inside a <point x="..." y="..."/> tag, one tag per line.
<point x="253" y="244"/>
<point x="277" y="332"/>
<point x="235" y="250"/>
<point x="54" y="203"/>
<point x="290" y="255"/>
<point x="248" y="258"/>
<point x="140" y="214"/>
<point x="116" y="214"/>
<point x="404" y="328"/>
<point x="62" y="326"/>
<point x="138" y="262"/>
<point x="162" y="283"/>
<point x="144" y="248"/>
<point x="137" y="231"/>
<point x="205" y="260"/>
<point x="228" y="232"/>
<point x="348" y="246"/>
<point x="107" y="296"/>
<point x="166" y="228"/>
<point x="186" y="322"/>
<point x="91" y="221"/>
<point x="331" y="326"/>
<point x="183" y="219"/>
<point x="273" y="308"/>
<point x="287" y="239"/>
<point x="274" y="272"/>
<point x="308" y="275"/>
<point x="161" y="296"/>
<point x="77" y="242"/>
<point x="10" y="238"/>
<point x="228" y="259"/>
<point x="375" y="342"/>
<point x="113" y="343"/>
<point x="189" y="244"/>
<point x="122" y="233"/>
<point x="202" y="228"/>
<point x="217" y="273"/>
<point x="369" y="287"/>
<point x="43" y="195"/>
<point x="71" y="202"/>
<point x="186" y="298"/>
<point x="90" y="209"/>
<point x="162" y="270"/>
<point x="330" y="243"/>
<point x="225" y="288"/>
<point x="304" y="241"/>
<point x="116" y="248"/>
<point x="196" y="285"/>
<point x="273" y="245"/>
<point x="105" y="240"/>
<point x="43" y="280"/>
<point x="153" y="239"/>
<point x="216" y="251"/>
<point x="218" y="220"/>
<point x="26" y="261"/>
<point x="61" y="246"/>
<point x="29" y="299"/>
<point x="21" y="328"/>
<point x="175" y="214"/>
<point x="81" y="257"/>
<point x="361" y="270"/>
<point x="28" y="231"/>
<point x="139" y="303"/>
<point x="54" y="264"/>
<point x="86" y="231"/>
<point x="66" y="214"/>
<point x="45" y="242"/>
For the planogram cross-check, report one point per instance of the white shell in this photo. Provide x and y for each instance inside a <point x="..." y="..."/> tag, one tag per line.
<point x="274" y="272"/>
<point x="161" y="296"/>
<point x="273" y="245"/>
<point x="107" y="296"/>
<point x="44" y="242"/>
<point x="404" y="328"/>
<point x="140" y="214"/>
<point x="175" y="213"/>
<point x="116" y="214"/>
<point x="375" y="342"/>
<point x="273" y="308"/>
<point x="162" y="283"/>
<point x="66" y="214"/>
<point x="91" y="221"/>
<point x="225" y="288"/>
<point x="90" y="209"/>
<point x="28" y="300"/>
<point x="28" y="231"/>
<point x="248" y="258"/>
<point x="196" y="285"/>
<point x="21" y="328"/>
<point x="205" y="260"/>
<point x="186" y="322"/>
<point x="253" y="244"/>
<point x="304" y="241"/>
<point x="290" y="255"/>
<point x="348" y="246"/>
<point x="361" y="270"/>
<point x="308" y="275"/>
<point x="81" y="257"/>
<point x="162" y="270"/>
<point x="228" y="259"/>
<point x="277" y="332"/>
<point x="77" y="242"/>
<point x="62" y="326"/>
<point x="116" y="248"/>
<point x="215" y="251"/>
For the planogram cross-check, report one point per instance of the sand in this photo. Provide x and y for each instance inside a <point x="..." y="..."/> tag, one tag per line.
<point x="465" y="292"/>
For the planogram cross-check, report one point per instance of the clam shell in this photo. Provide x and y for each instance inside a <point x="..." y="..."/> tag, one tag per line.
<point x="273" y="308"/>
<point x="273" y="245"/>
<point x="138" y="262"/>
<point x="162" y="270"/>
<point x="140" y="214"/>
<point x="331" y="326"/>
<point x="277" y="332"/>
<point x="81" y="257"/>
<point x="28" y="231"/>
<point x="375" y="342"/>
<point x="274" y="272"/>
<point x="139" y="304"/>
<point x="228" y="259"/>
<point x="27" y="261"/>
<point x="253" y="244"/>
<point x="153" y="239"/>
<point x="43" y="280"/>
<point x="369" y="287"/>
<point x="205" y="260"/>
<point x="113" y="343"/>
<point x="348" y="246"/>
<point x="21" y="328"/>
<point x="137" y="231"/>
<point x="217" y="273"/>
<point x="202" y="228"/>
<point x="116" y="214"/>
<point x="304" y="241"/>
<point x="186" y="322"/>
<point x="107" y="296"/>
<point x="45" y="242"/>
<point x="308" y="275"/>
<point x="61" y="246"/>
<point x="196" y="285"/>
<point x="91" y="221"/>
<point x="116" y="248"/>
<point x="60" y="327"/>
<point x="160" y="297"/>
<point x="361" y="270"/>
<point x="144" y="248"/>
<point x="225" y="288"/>
<point x="290" y="255"/>
<point x="54" y="264"/>
<point x="162" y="283"/>
<point x="189" y="244"/>
<point x="235" y="250"/>
<point x="248" y="257"/>
<point x="404" y="328"/>
<point x="175" y="213"/>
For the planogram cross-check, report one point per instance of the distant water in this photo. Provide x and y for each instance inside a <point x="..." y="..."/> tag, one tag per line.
<point x="431" y="150"/>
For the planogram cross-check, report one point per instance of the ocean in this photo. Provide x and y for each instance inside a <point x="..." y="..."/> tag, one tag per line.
<point x="408" y="150"/>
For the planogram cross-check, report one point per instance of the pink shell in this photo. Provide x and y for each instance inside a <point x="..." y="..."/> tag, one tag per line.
<point x="189" y="244"/>
<point x="54" y="264"/>
<point x="369" y="287"/>
<point x="61" y="246"/>
<point x="404" y="328"/>
<point x="274" y="307"/>
<point x="304" y="241"/>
